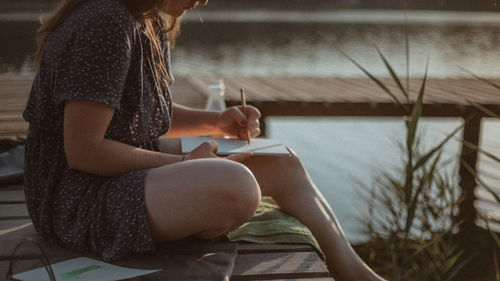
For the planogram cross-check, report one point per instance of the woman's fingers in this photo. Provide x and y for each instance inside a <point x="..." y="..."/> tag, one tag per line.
<point x="254" y="129"/>
<point x="246" y="116"/>
<point x="236" y="120"/>
<point x="252" y="113"/>
<point x="238" y="116"/>
<point x="253" y="133"/>
<point x="207" y="149"/>
<point x="209" y="146"/>
<point x="253" y="123"/>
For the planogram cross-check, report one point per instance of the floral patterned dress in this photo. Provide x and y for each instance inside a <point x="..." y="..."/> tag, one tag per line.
<point x="99" y="53"/>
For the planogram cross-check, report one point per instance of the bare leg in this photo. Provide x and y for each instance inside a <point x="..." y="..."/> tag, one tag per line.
<point x="205" y="198"/>
<point x="286" y="180"/>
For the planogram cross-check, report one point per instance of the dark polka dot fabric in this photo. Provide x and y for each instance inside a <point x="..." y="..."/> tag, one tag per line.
<point x="100" y="53"/>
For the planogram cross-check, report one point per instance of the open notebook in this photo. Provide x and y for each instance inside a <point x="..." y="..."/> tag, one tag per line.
<point x="231" y="146"/>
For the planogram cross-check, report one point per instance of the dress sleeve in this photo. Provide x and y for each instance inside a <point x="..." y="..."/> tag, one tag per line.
<point x="93" y="65"/>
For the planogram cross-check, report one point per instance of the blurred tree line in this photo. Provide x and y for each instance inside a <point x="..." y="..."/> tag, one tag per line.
<point x="482" y="5"/>
<point x="462" y="5"/>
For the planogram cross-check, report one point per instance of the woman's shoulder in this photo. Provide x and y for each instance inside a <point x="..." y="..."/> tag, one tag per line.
<point x="102" y="13"/>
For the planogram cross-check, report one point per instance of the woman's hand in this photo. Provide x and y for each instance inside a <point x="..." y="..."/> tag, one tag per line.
<point x="234" y="122"/>
<point x="204" y="150"/>
<point x="208" y="149"/>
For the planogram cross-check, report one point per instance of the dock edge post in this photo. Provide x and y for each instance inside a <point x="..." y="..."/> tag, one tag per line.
<point x="469" y="235"/>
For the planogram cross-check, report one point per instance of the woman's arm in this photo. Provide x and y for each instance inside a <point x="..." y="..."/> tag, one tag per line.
<point x="231" y="122"/>
<point x="85" y="124"/>
<point x="192" y="122"/>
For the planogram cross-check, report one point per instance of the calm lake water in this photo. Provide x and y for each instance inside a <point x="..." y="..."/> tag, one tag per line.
<point x="340" y="153"/>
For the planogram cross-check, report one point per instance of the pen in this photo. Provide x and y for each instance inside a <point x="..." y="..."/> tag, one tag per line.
<point x="244" y="104"/>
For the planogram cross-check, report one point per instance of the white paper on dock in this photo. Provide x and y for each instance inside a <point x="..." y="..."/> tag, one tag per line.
<point x="83" y="269"/>
<point x="231" y="146"/>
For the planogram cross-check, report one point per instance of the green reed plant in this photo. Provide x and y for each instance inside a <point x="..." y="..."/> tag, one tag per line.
<point x="412" y="212"/>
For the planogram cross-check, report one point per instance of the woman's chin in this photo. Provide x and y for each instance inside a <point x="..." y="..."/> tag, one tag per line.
<point x="176" y="14"/>
<point x="180" y="13"/>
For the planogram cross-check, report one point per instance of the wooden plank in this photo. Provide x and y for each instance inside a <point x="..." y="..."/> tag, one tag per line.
<point x="15" y="98"/>
<point x="474" y="89"/>
<point x="11" y="196"/>
<point x="12" y="186"/>
<point x="18" y="266"/>
<point x="306" y="89"/>
<point x="182" y="260"/>
<point x="13" y="125"/>
<point x="18" y="108"/>
<point x="21" y="266"/>
<point x="28" y="257"/>
<point x="13" y="211"/>
<point x="265" y="88"/>
<point x="253" y="89"/>
<point x="328" y="91"/>
<point x="25" y="233"/>
<point x="366" y="88"/>
<point x="343" y="92"/>
<point x="253" y="248"/>
<point x="472" y="86"/>
<point x="10" y="116"/>
<point x="472" y="93"/>
<point x="14" y="130"/>
<point x="14" y="232"/>
<point x="279" y="266"/>
<point x="358" y="109"/>
<point x="8" y="226"/>
<point x="302" y="279"/>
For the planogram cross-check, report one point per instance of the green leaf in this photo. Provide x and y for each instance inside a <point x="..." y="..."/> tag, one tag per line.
<point x="416" y="112"/>
<point x="438" y="237"/>
<point x="482" y="79"/>
<point x="412" y="207"/>
<point x="478" y="106"/>
<point x="393" y="73"/>
<point x="484" y="109"/>
<point x="429" y="154"/>
<point x="374" y="79"/>
<point x="476" y="148"/>
<point x="427" y="180"/>
<point x="407" y="55"/>
<point x="457" y="268"/>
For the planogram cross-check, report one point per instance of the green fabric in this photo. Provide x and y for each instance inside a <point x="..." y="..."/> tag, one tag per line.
<point x="270" y="225"/>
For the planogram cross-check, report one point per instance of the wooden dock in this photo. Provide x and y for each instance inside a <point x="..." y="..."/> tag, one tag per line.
<point x="246" y="261"/>
<point x="308" y="96"/>
<point x="293" y="96"/>
<point x="297" y="96"/>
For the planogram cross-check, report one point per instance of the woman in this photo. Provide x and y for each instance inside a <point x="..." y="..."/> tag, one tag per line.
<point x="99" y="175"/>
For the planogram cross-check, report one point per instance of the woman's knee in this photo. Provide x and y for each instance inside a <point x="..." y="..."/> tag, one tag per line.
<point x="293" y="162"/>
<point x="223" y="194"/>
<point x="239" y="191"/>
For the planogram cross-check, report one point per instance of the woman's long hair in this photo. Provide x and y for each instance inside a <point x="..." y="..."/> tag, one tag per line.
<point x="145" y="11"/>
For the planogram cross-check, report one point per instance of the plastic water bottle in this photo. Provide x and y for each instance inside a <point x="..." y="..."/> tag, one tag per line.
<point x="216" y="96"/>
